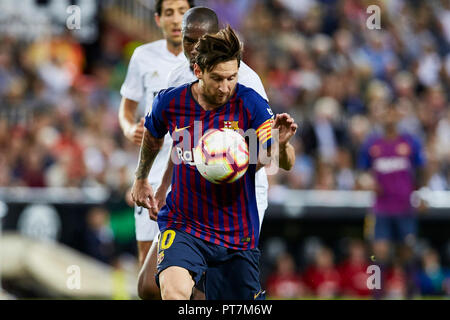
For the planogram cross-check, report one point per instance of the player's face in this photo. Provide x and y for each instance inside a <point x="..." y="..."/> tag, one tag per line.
<point x="190" y="37"/>
<point x="390" y="116"/>
<point x="219" y="83"/>
<point x="170" y="19"/>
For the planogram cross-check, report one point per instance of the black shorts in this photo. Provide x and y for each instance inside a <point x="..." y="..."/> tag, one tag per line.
<point x="229" y="274"/>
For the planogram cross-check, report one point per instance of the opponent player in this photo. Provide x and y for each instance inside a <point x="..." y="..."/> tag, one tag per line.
<point x="197" y="22"/>
<point x="395" y="160"/>
<point x="146" y="76"/>
<point x="204" y="225"/>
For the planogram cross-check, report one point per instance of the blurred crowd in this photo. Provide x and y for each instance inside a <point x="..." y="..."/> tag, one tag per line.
<point x="325" y="275"/>
<point x="318" y="61"/>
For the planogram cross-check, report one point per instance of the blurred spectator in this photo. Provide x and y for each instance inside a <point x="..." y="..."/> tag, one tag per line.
<point x="322" y="278"/>
<point x="353" y="271"/>
<point x="98" y="238"/>
<point x="396" y="286"/>
<point x="433" y="279"/>
<point x="285" y="282"/>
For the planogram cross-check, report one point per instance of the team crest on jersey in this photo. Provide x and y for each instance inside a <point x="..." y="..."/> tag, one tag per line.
<point x="233" y="125"/>
<point x="403" y="149"/>
<point x="160" y="257"/>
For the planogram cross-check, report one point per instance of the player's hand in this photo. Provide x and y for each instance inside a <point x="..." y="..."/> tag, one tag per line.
<point x="286" y="127"/>
<point x="142" y="194"/>
<point x="136" y="132"/>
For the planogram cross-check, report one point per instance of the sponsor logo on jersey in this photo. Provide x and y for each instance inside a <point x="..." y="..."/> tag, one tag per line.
<point x="391" y="164"/>
<point x="180" y="129"/>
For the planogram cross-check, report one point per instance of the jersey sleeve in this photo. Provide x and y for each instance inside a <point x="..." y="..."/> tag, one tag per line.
<point x="133" y="86"/>
<point x="417" y="155"/>
<point x="261" y="119"/>
<point x="364" y="160"/>
<point x="155" y="120"/>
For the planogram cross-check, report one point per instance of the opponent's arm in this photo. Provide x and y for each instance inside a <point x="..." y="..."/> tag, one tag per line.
<point x="127" y="113"/>
<point x="141" y="191"/>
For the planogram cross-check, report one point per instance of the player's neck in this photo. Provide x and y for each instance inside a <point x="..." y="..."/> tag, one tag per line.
<point x="391" y="133"/>
<point x="198" y="94"/>
<point x="175" y="49"/>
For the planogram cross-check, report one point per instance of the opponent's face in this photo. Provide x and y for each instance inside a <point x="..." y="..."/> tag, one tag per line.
<point x="170" y="19"/>
<point x="191" y="34"/>
<point x="219" y="83"/>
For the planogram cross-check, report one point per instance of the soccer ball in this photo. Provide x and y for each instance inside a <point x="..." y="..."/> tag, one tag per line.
<point x="221" y="156"/>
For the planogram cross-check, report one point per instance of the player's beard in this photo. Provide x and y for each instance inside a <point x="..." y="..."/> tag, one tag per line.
<point x="214" y="99"/>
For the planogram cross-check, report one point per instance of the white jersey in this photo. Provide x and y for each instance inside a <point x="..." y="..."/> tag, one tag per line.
<point x="146" y="76"/>
<point x="183" y="74"/>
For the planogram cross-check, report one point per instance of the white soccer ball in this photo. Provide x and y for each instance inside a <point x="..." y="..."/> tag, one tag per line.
<point x="221" y="156"/>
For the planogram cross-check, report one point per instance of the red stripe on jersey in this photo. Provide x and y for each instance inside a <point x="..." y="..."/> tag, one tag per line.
<point x="243" y="198"/>
<point x="171" y="213"/>
<point x="184" y="122"/>
<point x="216" y="216"/>
<point x="235" y="109"/>
<point x="195" y="200"/>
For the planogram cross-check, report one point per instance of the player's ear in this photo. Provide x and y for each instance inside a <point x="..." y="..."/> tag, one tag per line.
<point x="158" y="20"/>
<point x="197" y="71"/>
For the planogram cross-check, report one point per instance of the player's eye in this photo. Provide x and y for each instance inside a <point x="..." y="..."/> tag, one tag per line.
<point x="168" y="12"/>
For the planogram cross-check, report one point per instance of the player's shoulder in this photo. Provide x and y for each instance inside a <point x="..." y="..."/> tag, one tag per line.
<point x="152" y="48"/>
<point x="168" y="94"/>
<point x="246" y="71"/>
<point x="410" y="138"/>
<point x="248" y="93"/>
<point x="373" y="138"/>
<point x="181" y="67"/>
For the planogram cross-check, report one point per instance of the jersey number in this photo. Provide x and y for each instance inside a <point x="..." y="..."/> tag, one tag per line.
<point x="167" y="239"/>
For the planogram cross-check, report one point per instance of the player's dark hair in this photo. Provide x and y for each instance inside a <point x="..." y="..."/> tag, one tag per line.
<point x="213" y="49"/>
<point x="201" y="16"/>
<point x="159" y="3"/>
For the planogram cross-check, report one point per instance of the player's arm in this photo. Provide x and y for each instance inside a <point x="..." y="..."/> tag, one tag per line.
<point x="127" y="112"/>
<point x="160" y="194"/>
<point x="141" y="191"/>
<point x="154" y="132"/>
<point x="286" y="127"/>
<point x="132" y="91"/>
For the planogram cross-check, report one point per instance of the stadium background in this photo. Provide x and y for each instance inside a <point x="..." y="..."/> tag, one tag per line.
<point x="65" y="166"/>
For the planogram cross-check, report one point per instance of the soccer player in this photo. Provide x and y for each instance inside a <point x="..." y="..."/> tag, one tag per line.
<point x="204" y="225"/>
<point x="146" y="76"/>
<point x="395" y="161"/>
<point x="197" y="22"/>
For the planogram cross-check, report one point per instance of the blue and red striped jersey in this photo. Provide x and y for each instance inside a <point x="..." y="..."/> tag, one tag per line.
<point x="223" y="214"/>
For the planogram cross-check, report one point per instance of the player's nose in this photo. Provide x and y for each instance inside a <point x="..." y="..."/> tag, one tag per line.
<point x="178" y="18"/>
